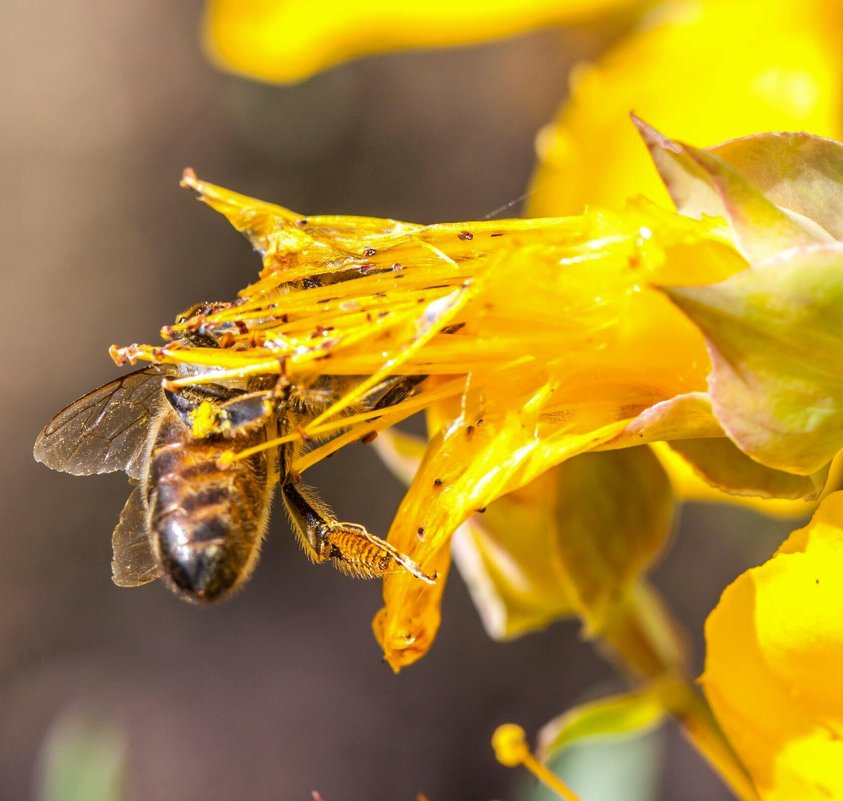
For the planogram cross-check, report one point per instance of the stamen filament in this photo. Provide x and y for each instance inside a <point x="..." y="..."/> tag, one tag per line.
<point x="511" y="750"/>
<point x="395" y="414"/>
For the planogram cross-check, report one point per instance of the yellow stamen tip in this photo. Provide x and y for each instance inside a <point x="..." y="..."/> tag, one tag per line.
<point x="510" y="744"/>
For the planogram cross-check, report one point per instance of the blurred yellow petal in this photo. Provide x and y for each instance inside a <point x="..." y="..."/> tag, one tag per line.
<point x="510" y="573"/>
<point x="705" y="70"/>
<point x="285" y="40"/>
<point x="574" y="541"/>
<point x="774" y="661"/>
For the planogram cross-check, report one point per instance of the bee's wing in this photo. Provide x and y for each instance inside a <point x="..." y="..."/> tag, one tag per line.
<point x="133" y="562"/>
<point x="105" y="430"/>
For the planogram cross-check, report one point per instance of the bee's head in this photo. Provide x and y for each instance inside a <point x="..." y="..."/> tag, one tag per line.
<point x="194" y="331"/>
<point x="200" y="310"/>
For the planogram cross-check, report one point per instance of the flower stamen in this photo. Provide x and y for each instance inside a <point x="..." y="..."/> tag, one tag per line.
<point x="511" y="750"/>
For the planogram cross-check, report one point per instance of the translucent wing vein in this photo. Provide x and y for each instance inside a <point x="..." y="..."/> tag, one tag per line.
<point x="105" y="430"/>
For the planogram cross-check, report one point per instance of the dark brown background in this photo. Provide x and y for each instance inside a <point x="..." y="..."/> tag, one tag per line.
<point x="281" y="690"/>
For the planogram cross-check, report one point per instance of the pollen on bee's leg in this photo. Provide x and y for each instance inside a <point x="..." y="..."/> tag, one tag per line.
<point x="363" y="554"/>
<point x="356" y="552"/>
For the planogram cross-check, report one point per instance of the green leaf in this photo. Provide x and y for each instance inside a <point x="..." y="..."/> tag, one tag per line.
<point x="607" y="769"/>
<point x="796" y="171"/>
<point x="776" y="345"/>
<point x="687" y="423"/>
<point x="83" y="760"/>
<point x="721" y="464"/>
<point x="688" y="183"/>
<point x="702" y="182"/>
<point x="616" y="716"/>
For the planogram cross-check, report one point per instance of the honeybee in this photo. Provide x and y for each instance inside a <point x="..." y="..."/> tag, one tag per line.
<point x="189" y="521"/>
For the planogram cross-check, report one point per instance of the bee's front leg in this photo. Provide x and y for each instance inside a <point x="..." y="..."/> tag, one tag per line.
<point x="350" y="546"/>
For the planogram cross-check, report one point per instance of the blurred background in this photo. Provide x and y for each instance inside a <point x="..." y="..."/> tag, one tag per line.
<point x="282" y="690"/>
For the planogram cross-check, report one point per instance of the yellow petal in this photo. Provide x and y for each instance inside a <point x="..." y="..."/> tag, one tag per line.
<point x="774" y="661"/>
<point x="706" y="72"/>
<point x="508" y="559"/>
<point x="573" y="541"/>
<point x="463" y="471"/>
<point x="284" y="41"/>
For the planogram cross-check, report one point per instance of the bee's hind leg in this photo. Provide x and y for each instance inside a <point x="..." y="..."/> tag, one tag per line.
<point x="351" y="547"/>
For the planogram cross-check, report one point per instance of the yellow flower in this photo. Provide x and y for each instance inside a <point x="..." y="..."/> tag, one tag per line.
<point x="575" y="541"/>
<point x="707" y="71"/>
<point x="281" y="40"/>
<point x="774" y="661"/>
<point x="538" y="340"/>
<point x="532" y="333"/>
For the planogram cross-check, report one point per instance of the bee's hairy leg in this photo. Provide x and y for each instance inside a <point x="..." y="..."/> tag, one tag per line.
<point x="351" y="547"/>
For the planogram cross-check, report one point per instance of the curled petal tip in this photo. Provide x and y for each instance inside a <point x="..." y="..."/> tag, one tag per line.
<point x="189" y="179"/>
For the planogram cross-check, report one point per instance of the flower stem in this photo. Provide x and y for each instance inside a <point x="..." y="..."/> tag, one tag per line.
<point x="649" y="644"/>
<point x="699" y="726"/>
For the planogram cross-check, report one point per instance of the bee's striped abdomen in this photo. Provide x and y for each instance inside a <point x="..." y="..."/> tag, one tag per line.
<point x="206" y="523"/>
